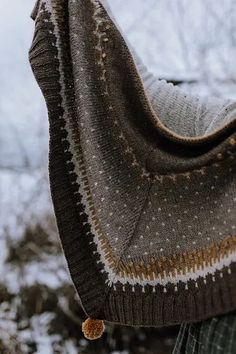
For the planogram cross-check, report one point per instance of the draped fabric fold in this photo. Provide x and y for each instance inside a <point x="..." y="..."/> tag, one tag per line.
<point x="146" y="215"/>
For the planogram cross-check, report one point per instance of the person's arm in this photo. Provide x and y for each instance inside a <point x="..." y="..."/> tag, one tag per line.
<point x="183" y="112"/>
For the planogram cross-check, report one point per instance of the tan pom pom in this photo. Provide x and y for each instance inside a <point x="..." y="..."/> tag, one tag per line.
<point x="93" y="329"/>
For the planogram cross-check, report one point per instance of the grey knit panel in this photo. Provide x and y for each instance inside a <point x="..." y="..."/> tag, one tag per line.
<point x="118" y="191"/>
<point x="225" y="115"/>
<point x="177" y="110"/>
<point x="171" y="221"/>
<point x="180" y="111"/>
<point x="195" y="213"/>
<point x="115" y="178"/>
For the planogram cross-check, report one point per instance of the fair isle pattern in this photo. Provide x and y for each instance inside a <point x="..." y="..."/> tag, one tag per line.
<point x="102" y="38"/>
<point x="149" y="274"/>
<point x="72" y="135"/>
<point x="132" y="221"/>
<point x="112" y="265"/>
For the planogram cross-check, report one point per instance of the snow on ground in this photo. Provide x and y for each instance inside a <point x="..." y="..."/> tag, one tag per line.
<point x="23" y="116"/>
<point x="23" y="124"/>
<point x="175" y="39"/>
<point x="23" y="121"/>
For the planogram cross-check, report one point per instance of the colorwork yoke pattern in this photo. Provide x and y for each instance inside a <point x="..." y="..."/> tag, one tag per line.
<point x="145" y="213"/>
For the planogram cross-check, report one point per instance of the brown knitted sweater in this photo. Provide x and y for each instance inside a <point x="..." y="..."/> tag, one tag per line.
<point x="146" y="216"/>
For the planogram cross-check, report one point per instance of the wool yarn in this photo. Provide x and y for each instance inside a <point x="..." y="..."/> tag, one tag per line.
<point x="145" y="211"/>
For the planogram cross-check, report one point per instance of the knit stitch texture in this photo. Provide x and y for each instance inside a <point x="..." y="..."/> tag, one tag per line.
<point x="145" y="207"/>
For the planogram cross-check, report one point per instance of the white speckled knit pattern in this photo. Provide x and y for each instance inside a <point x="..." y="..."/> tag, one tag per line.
<point x="145" y="207"/>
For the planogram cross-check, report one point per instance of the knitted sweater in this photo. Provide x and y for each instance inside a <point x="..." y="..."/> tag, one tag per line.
<point x="143" y="191"/>
<point x="182" y="112"/>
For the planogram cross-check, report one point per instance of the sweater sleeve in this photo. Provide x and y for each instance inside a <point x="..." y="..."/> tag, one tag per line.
<point x="180" y="111"/>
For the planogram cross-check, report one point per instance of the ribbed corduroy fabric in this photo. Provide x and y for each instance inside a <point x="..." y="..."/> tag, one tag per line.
<point x="145" y="211"/>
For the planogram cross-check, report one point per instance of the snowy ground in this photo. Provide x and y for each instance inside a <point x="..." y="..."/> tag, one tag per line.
<point x="23" y="122"/>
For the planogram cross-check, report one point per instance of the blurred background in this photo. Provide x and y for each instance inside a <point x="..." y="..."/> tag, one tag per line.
<point x="190" y="43"/>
